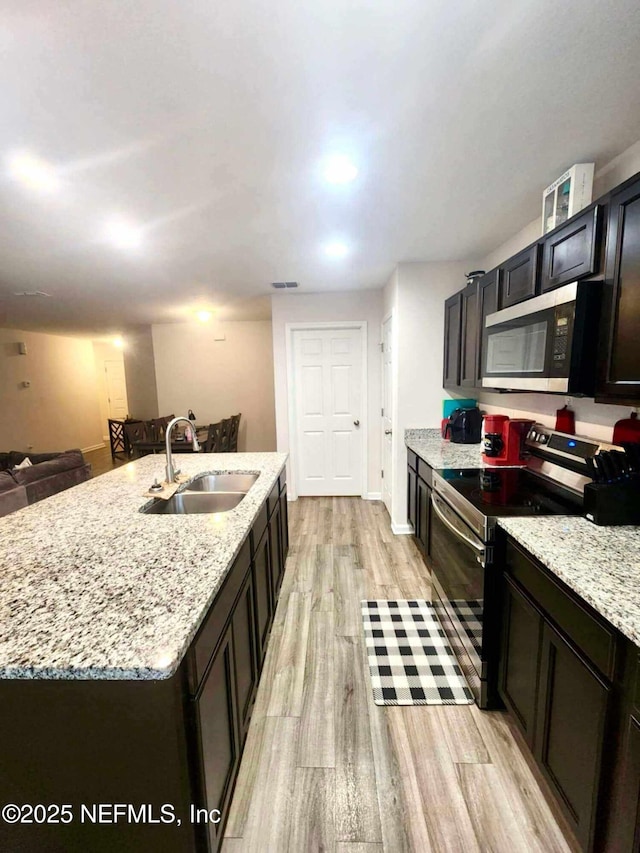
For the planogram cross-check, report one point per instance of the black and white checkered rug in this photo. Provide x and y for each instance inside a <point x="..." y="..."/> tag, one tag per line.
<point x="410" y="659"/>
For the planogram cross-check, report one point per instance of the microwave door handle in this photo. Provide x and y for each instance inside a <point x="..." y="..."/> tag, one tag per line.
<point x="458" y="533"/>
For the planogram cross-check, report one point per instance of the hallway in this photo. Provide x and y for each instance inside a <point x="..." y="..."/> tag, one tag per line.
<point x="324" y="769"/>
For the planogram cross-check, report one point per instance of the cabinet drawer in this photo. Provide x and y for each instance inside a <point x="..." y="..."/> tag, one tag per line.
<point x="593" y="637"/>
<point x="219" y="614"/>
<point x="412" y="460"/>
<point x="274" y="498"/>
<point x="424" y="471"/>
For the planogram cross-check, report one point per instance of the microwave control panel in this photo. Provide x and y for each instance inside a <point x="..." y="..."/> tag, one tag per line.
<point x="562" y="334"/>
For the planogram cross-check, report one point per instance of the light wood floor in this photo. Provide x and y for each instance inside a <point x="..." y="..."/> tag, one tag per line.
<point x="324" y="769"/>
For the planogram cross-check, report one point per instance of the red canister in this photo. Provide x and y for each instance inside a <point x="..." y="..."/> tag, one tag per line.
<point x="566" y="420"/>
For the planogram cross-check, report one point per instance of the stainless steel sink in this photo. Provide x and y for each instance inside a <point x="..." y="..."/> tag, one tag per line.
<point x="222" y="483"/>
<point x="188" y="503"/>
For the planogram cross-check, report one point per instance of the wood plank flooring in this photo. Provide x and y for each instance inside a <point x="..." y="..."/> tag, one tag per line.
<point x="324" y="769"/>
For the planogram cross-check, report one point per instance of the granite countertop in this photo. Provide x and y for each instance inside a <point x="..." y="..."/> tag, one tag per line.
<point x="429" y="445"/>
<point x="93" y="588"/>
<point x="600" y="564"/>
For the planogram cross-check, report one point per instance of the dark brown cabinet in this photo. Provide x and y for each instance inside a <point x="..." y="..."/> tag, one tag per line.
<point x="571" y="252"/>
<point x="423" y="515"/>
<point x="284" y="524"/>
<point x="452" y="330"/>
<point x="246" y="657"/>
<point x="469" y="336"/>
<point x="620" y="330"/>
<point x="572" y="708"/>
<point x="275" y="542"/>
<point x="557" y="671"/>
<point x="412" y="495"/>
<point x="522" y="633"/>
<point x="519" y="277"/>
<point x="488" y="296"/>
<point x="219" y="734"/>
<point x="263" y="584"/>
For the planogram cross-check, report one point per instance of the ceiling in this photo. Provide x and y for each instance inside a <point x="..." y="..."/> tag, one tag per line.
<point x="208" y="123"/>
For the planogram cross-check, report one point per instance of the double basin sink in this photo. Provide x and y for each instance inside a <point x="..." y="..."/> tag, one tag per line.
<point x="206" y="493"/>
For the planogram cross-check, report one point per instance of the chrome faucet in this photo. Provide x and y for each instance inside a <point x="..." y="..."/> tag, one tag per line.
<point x="169" y="469"/>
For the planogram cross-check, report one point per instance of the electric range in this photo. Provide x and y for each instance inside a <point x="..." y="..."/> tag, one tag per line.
<point x="466" y="505"/>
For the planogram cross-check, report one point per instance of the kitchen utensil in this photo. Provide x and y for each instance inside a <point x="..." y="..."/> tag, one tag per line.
<point x="627" y="429"/>
<point x="566" y="420"/>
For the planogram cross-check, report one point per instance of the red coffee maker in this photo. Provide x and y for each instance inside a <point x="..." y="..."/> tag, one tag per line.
<point x="503" y="439"/>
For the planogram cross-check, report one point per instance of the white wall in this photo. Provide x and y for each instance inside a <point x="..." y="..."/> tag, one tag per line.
<point x="219" y="378"/>
<point x="60" y="409"/>
<point x="416" y="292"/>
<point x="140" y="373"/>
<point x="593" y="419"/>
<point x="324" y="308"/>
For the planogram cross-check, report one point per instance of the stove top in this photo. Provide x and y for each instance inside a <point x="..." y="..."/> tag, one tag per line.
<point x="511" y="491"/>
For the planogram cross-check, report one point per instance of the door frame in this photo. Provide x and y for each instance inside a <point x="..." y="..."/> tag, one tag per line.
<point x="388" y="474"/>
<point x="290" y="328"/>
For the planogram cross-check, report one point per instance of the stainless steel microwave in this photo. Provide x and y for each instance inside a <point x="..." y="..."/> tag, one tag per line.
<point x="547" y="343"/>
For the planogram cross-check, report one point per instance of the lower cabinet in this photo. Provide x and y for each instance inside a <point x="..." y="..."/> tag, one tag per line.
<point x="520" y="660"/>
<point x="284" y="524"/>
<point x="218" y="729"/>
<point x="423" y="513"/>
<point x="412" y="495"/>
<point x="263" y="585"/>
<point x="557" y="672"/>
<point x="419" y="500"/>
<point x="275" y="542"/>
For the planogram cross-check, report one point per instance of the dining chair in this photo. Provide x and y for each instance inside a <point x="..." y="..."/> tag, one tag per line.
<point x="137" y="431"/>
<point x="212" y="444"/>
<point x="225" y="434"/>
<point x="233" y="433"/>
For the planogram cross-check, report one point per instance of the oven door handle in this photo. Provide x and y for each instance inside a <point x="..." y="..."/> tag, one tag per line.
<point x="455" y="530"/>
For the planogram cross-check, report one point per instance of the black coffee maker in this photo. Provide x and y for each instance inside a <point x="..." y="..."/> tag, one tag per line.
<point x="464" y="426"/>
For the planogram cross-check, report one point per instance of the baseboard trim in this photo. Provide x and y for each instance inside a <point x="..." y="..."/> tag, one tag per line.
<point x="401" y="529"/>
<point x="93" y="447"/>
<point x="373" y="496"/>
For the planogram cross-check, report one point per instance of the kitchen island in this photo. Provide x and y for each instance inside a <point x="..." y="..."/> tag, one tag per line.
<point x="130" y="649"/>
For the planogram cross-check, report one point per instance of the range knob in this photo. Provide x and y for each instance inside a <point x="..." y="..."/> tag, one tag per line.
<point x="542" y="438"/>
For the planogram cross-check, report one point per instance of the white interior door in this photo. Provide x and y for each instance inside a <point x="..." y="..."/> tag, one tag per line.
<point x="328" y="381"/>
<point x="116" y="388"/>
<point x="387" y="411"/>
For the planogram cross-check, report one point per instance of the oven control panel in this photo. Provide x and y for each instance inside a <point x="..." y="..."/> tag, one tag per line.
<point x="562" y="445"/>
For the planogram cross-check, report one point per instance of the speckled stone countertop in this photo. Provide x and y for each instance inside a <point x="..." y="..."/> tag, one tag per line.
<point x="600" y="564"/>
<point x="429" y="445"/>
<point x="92" y="588"/>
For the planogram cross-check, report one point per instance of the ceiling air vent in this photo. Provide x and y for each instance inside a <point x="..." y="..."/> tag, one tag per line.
<point x="39" y="294"/>
<point x="281" y="285"/>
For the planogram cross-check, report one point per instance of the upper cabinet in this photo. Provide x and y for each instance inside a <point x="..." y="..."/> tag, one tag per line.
<point x="469" y="336"/>
<point x="487" y="304"/>
<point x="619" y="375"/>
<point x="571" y="252"/>
<point x="452" y="327"/>
<point x="519" y="277"/>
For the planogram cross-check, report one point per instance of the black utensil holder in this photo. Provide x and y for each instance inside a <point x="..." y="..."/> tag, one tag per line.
<point x="613" y="503"/>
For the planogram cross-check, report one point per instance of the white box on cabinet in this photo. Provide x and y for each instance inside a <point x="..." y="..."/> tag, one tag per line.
<point x="567" y="195"/>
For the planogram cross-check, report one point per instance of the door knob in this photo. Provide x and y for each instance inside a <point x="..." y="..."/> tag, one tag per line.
<point x="356" y="423"/>
<point x="387" y="432"/>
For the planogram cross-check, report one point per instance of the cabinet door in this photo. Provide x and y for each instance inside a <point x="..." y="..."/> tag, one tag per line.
<point x="423" y="511"/>
<point x="469" y="336"/>
<point x="519" y="277"/>
<point x="487" y="304"/>
<point x="620" y="331"/>
<point x="412" y="485"/>
<point x="571" y="714"/>
<point x="520" y="657"/>
<point x="219" y="737"/>
<point x="284" y="525"/>
<point x="276" y="552"/>
<point x="571" y="252"/>
<point x="263" y="594"/>
<point x="244" y="647"/>
<point x="452" y="329"/>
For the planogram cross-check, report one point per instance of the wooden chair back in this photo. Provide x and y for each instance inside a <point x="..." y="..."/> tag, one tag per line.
<point x="233" y="433"/>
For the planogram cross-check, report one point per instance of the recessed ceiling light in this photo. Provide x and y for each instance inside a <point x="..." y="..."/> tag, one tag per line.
<point x="32" y="171"/>
<point x="118" y="342"/>
<point x="340" y="170"/>
<point x="204" y="316"/>
<point x="336" y="250"/>
<point x="123" y="234"/>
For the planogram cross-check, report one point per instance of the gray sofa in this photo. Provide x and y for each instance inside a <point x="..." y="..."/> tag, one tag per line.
<point x="49" y="473"/>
